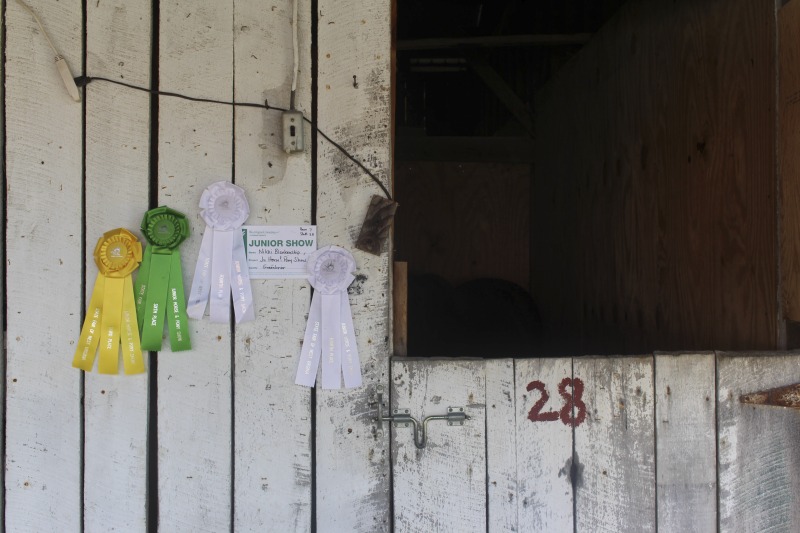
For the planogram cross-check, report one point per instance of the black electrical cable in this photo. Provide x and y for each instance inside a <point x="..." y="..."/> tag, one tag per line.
<point x="353" y="159"/>
<point x="82" y="81"/>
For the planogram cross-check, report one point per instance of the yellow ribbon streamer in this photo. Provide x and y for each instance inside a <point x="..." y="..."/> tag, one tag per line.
<point x="111" y="316"/>
<point x="90" y="333"/>
<point x="111" y="319"/>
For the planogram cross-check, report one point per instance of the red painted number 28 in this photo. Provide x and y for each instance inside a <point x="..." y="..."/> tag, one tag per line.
<point x="573" y="413"/>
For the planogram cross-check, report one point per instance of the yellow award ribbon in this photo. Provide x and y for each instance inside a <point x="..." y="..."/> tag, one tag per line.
<point x="111" y="316"/>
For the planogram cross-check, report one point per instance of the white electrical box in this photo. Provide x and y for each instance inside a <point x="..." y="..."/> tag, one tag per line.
<point x="293" y="132"/>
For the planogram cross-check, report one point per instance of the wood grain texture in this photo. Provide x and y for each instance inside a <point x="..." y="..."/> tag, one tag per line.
<point x="758" y="490"/>
<point x="43" y="269"/>
<point x="464" y="221"/>
<point x="400" y="308"/>
<point x="272" y="415"/>
<point x="117" y="188"/>
<point x="352" y="484"/>
<point x="501" y="446"/>
<point x="194" y="388"/>
<point x="614" y="447"/>
<point x="441" y="488"/>
<point x="654" y="190"/>
<point x="543" y="451"/>
<point x="686" y="452"/>
<point x="2" y="289"/>
<point x="788" y="160"/>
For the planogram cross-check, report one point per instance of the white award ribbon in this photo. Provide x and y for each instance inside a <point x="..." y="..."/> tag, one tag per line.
<point x="329" y="335"/>
<point x="221" y="270"/>
<point x="240" y="283"/>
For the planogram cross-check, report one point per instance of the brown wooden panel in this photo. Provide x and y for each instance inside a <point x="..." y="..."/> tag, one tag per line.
<point x="653" y="208"/>
<point x="789" y="155"/>
<point x="400" y="308"/>
<point x="464" y="221"/>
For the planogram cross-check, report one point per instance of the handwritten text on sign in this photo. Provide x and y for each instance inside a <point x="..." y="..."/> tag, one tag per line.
<point x="572" y="413"/>
<point x="278" y="251"/>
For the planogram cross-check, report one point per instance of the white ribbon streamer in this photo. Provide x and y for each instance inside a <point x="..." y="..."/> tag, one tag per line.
<point x="221" y="270"/>
<point x="331" y="342"/>
<point x="201" y="283"/>
<point x="351" y="365"/>
<point x="240" y="284"/>
<point x="222" y="253"/>
<point x="329" y="336"/>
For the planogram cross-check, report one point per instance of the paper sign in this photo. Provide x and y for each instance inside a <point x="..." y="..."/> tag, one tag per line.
<point x="278" y="252"/>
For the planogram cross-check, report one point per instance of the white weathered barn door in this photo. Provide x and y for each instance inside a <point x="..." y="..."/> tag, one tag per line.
<point x="218" y="438"/>
<point x="595" y="444"/>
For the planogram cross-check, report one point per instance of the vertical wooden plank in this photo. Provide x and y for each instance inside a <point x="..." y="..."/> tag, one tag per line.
<point x="400" y="308"/>
<point x="544" y="446"/>
<point x="441" y="488"/>
<point x="352" y="466"/>
<point x="3" y="271"/>
<point x="614" y="447"/>
<point x="272" y="415"/>
<point x="501" y="446"/>
<point x="117" y="185"/>
<point x="686" y="444"/>
<point x="758" y="455"/>
<point x="194" y="388"/>
<point x="44" y="262"/>
<point x="788" y="159"/>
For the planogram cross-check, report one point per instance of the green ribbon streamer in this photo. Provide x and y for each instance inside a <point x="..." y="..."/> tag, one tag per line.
<point x="160" y="295"/>
<point x="156" y="299"/>
<point x="140" y="287"/>
<point x="179" y="325"/>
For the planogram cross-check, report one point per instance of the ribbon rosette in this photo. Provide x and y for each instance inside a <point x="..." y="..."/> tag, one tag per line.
<point x="159" y="286"/>
<point x="222" y="263"/>
<point x="329" y="332"/>
<point x="111" y="315"/>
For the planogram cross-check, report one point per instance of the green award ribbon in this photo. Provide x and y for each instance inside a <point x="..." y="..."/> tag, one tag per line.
<point x="111" y="316"/>
<point x="159" y="286"/>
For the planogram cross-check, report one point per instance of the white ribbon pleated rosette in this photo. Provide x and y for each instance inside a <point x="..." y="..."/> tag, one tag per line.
<point x="329" y="334"/>
<point x="222" y="264"/>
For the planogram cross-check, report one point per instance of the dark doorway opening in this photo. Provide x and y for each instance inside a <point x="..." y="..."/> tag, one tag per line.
<point x="467" y="73"/>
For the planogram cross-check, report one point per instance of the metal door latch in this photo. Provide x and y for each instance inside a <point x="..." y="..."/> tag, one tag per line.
<point x="788" y="396"/>
<point x="400" y="418"/>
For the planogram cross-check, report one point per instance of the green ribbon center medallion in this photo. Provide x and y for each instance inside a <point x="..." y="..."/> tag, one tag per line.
<point x="159" y="287"/>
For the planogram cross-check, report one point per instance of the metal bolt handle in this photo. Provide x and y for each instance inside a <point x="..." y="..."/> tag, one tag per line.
<point x="401" y="418"/>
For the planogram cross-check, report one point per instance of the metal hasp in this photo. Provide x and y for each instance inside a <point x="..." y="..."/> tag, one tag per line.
<point x="401" y="418"/>
<point x="788" y="396"/>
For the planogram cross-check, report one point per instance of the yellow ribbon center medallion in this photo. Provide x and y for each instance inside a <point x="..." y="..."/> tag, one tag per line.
<point x="111" y="316"/>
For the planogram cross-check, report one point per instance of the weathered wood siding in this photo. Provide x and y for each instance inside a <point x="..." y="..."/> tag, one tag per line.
<point x="117" y="152"/>
<point x="354" y="106"/>
<point x="195" y="388"/>
<point x="270" y="412"/>
<point x="686" y="456"/>
<point x="44" y="270"/>
<point x="544" y="453"/>
<point x="616" y="445"/>
<point x="217" y="438"/>
<point x="597" y="444"/>
<point x="454" y="461"/>
<point x="758" y="453"/>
